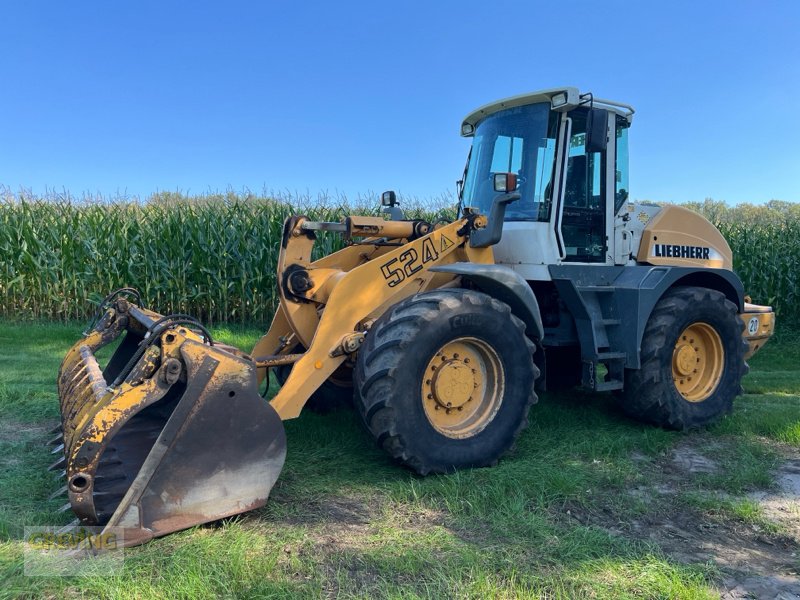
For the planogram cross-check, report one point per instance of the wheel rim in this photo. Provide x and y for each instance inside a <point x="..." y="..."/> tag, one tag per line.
<point x="697" y="362"/>
<point x="462" y="387"/>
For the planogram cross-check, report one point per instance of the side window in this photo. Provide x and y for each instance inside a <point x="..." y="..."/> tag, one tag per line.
<point x="621" y="189"/>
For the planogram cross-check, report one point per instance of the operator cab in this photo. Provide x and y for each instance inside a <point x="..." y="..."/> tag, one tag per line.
<point x="570" y="154"/>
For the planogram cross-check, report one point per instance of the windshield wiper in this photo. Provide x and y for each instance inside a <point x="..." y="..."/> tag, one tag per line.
<point x="460" y="184"/>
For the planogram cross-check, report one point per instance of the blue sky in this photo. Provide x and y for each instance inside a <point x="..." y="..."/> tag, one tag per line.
<point x="358" y="97"/>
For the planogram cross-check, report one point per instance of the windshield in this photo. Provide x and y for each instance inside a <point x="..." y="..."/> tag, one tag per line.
<point x="519" y="140"/>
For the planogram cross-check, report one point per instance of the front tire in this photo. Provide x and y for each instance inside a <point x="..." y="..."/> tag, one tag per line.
<point x="445" y="379"/>
<point x="692" y="361"/>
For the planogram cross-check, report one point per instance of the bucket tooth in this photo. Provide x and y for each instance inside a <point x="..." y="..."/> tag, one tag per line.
<point x="57" y="449"/>
<point x="57" y="429"/>
<point x="59" y="439"/>
<point x="61" y="475"/>
<point x="66" y="507"/>
<point x="59" y="464"/>
<point x="60" y="493"/>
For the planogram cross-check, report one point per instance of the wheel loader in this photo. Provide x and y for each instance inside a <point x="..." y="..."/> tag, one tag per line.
<point x="440" y="334"/>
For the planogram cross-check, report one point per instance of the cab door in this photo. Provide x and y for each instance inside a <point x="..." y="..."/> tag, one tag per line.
<point x="584" y="212"/>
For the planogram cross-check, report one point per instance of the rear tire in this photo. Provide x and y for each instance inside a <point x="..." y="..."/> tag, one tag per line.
<point x="692" y="361"/>
<point x="445" y="379"/>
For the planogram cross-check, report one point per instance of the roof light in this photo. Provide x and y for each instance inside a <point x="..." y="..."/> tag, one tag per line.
<point x="558" y="100"/>
<point x="467" y="129"/>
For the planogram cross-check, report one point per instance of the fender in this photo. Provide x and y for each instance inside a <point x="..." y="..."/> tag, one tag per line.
<point x="507" y="286"/>
<point x="636" y="290"/>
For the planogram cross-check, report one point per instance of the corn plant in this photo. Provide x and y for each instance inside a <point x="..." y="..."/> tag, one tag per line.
<point x="215" y="256"/>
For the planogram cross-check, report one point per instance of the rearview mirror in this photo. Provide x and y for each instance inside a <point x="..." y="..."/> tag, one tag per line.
<point x="596" y="130"/>
<point x="505" y="182"/>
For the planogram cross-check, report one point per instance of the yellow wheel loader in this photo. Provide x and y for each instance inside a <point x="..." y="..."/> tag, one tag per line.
<point x="551" y="276"/>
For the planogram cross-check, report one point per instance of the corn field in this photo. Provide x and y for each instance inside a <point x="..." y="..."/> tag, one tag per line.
<point x="765" y="241"/>
<point x="212" y="257"/>
<point x="215" y="256"/>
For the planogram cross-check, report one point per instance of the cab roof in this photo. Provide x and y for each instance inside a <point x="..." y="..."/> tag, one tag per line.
<point x="567" y="98"/>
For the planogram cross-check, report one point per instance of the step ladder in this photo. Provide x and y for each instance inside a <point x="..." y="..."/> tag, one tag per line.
<point x="603" y="367"/>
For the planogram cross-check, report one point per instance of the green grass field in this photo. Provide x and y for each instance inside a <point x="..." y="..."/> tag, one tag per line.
<point x="588" y="505"/>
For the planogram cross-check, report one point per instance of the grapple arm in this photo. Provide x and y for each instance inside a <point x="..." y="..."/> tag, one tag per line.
<point x="172" y="433"/>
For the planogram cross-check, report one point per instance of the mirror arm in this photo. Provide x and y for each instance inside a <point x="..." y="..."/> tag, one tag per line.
<point x="491" y="234"/>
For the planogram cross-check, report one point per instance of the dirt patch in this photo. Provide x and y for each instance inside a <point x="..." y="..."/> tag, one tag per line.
<point x="686" y="459"/>
<point x="339" y="523"/>
<point x="13" y="432"/>
<point x="334" y="511"/>
<point x="782" y="505"/>
<point x="340" y="529"/>
<point x="755" y="562"/>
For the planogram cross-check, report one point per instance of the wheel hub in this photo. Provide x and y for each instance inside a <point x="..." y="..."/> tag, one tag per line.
<point x="452" y="384"/>
<point x="698" y="361"/>
<point x="686" y="359"/>
<point x="462" y="387"/>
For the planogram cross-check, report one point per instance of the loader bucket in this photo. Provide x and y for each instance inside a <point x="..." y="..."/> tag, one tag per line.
<point x="171" y="433"/>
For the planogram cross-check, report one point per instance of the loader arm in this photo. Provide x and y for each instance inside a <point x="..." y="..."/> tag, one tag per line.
<point x="327" y="306"/>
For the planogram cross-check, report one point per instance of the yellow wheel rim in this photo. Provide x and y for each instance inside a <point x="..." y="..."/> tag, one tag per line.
<point x="462" y="387"/>
<point x="698" y="361"/>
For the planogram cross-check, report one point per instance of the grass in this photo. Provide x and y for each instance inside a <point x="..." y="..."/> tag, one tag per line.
<point x="552" y="520"/>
